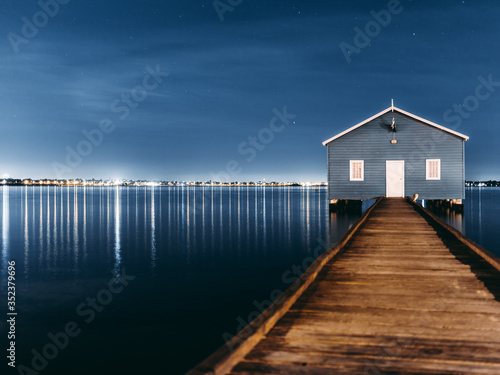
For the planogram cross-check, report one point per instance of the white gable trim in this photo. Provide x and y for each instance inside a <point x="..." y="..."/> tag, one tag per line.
<point x="464" y="137"/>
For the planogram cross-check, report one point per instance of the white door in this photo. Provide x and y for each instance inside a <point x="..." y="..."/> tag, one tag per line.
<point x="395" y="178"/>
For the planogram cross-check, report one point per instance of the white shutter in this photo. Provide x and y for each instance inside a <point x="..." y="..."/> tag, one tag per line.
<point x="356" y="170"/>
<point x="433" y="169"/>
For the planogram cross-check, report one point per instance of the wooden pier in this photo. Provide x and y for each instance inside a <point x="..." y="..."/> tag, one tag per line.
<point x="401" y="293"/>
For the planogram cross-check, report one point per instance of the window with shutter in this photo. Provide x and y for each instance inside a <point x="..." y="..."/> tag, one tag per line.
<point x="357" y="170"/>
<point x="433" y="169"/>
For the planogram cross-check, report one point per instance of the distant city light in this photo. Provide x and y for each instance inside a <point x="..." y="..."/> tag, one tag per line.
<point x="144" y="183"/>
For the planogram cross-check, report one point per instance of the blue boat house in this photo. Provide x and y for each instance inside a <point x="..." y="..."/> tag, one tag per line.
<point x="396" y="154"/>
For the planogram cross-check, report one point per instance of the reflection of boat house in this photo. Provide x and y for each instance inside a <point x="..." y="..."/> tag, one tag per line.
<point x="396" y="154"/>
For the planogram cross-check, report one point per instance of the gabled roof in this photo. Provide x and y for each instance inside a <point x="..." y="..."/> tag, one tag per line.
<point x="395" y="109"/>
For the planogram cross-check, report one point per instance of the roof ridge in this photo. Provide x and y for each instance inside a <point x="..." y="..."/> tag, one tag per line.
<point x="393" y="108"/>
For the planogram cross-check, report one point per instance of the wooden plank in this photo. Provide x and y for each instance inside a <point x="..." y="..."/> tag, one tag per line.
<point x="384" y="345"/>
<point x="482" y="252"/>
<point x="439" y="320"/>
<point x="353" y="366"/>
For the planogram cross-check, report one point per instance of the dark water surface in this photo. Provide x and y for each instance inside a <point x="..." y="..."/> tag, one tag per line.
<point x="153" y="279"/>
<point x="480" y="220"/>
<point x="200" y="258"/>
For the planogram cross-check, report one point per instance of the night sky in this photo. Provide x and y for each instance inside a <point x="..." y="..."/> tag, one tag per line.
<point x="250" y="89"/>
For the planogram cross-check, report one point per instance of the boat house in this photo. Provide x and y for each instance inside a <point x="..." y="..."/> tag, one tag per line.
<point x="396" y="154"/>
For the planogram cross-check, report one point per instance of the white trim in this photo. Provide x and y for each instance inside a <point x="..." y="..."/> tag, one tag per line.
<point x="351" y="170"/>
<point x="428" y="169"/>
<point x="433" y="124"/>
<point x="356" y="126"/>
<point x="392" y="108"/>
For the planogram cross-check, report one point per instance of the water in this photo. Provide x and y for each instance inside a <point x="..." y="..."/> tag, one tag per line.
<point x="200" y="258"/>
<point x="197" y="262"/>
<point x="480" y="220"/>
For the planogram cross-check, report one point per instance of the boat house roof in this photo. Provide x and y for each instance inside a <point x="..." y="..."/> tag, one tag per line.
<point x="395" y="109"/>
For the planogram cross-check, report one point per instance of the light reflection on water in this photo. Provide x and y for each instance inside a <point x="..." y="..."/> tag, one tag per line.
<point x="185" y="245"/>
<point x="200" y="255"/>
<point x="70" y="227"/>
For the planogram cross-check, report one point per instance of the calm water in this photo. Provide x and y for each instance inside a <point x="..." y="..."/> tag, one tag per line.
<point x="201" y="259"/>
<point x="480" y="220"/>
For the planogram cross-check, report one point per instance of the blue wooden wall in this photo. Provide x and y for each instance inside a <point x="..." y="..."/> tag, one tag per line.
<point x="416" y="142"/>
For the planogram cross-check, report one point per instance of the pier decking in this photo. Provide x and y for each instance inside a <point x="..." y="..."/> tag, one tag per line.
<point x="400" y="294"/>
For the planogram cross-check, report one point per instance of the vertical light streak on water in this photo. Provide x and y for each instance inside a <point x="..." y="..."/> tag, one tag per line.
<point x="26" y="234"/>
<point x="5" y="228"/>
<point x="288" y="220"/>
<point x="76" y="249"/>
<point x="221" y="222"/>
<point x="480" y="215"/>
<point x="471" y="216"/>
<point x="194" y="217"/>
<point x="279" y="210"/>
<point x="50" y="250"/>
<point x="100" y="213"/>
<point x="108" y="222"/>
<point x="170" y="214"/>
<point x="238" y="208"/>
<point x="176" y="224"/>
<point x="182" y="222"/>
<point x="321" y="216"/>
<point x="160" y="189"/>
<point x="302" y="213"/>
<point x="238" y="218"/>
<point x="117" y="247"/>
<point x="68" y="232"/>
<point x="145" y="229"/>
<point x="61" y="220"/>
<point x="188" y="221"/>
<point x="169" y="218"/>
<point x="203" y="234"/>
<point x="212" y="209"/>
<point x="179" y="224"/>
<point x="84" y="224"/>
<point x="308" y="223"/>
<point x="264" y="228"/>
<point x="54" y="226"/>
<point x="247" y="216"/>
<point x="128" y="210"/>
<point x="136" y="217"/>
<point x="33" y="220"/>
<point x="92" y="193"/>
<point x="40" y="230"/>
<point x="153" y="230"/>
<point x="272" y="216"/>
<point x="256" y="220"/>
<point x="230" y="214"/>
